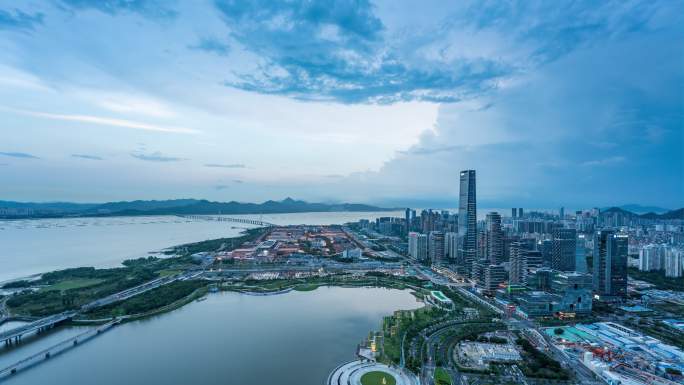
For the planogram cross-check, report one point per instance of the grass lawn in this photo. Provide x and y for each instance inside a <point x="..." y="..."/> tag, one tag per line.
<point x="442" y="377"/>
<point x="75" y="283"/>
<point x="306" y="287"/>
<point x="168" y="272"/>
<point x="377" y="377"/>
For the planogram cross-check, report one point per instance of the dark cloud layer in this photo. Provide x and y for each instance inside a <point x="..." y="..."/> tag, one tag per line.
<point x="600" y="126"/>
<point x="148" y="8"/>
<point x="343" y="52"/>
<point x="21" y="155"/>
<point x="19" y="20"/>
<point x="156" y="157"/>
<point x="85" y="156"/>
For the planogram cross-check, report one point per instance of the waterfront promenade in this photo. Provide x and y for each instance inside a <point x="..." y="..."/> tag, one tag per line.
<point x="351" y="373"/>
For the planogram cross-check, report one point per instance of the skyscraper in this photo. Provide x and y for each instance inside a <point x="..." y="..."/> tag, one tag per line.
<point x="408" y="220"/>
<point x="563" y="249"/>
<point x="514" y="213"/>
<point x="436" y="247"/>
<point x="451" y="247"/>
<point x="467" y="220"/>
<point x="518" y="273"/>
<point x="494" y="238"/>
<point x="520" y="212"/>
<point x="418" y="246"/>
<point x="610" y="264"/>
<point x="581" y="254"/>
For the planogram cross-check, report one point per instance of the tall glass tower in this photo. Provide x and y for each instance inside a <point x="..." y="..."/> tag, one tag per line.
<point x="467" y="221"/>
<point x="610" y="264"/>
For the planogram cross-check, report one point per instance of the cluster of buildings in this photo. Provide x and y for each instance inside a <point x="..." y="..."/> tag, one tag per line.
<point x="620" y="355"/>
<point x="543" y="264"/>
<point x="662" y="257"/>
<point x="292" y="242"/>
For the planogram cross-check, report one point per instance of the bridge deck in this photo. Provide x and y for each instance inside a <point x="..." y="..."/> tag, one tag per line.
<point x="36" y="325"/>
<point x="55" y="349"/>
<point x="229" y="219"/>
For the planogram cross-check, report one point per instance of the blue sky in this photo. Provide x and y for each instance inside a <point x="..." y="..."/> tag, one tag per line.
<point x="577" y="104"/>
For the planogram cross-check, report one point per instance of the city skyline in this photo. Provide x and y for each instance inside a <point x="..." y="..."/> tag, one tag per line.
<point x="342" y="192"/>
<point x="583" y="104"/>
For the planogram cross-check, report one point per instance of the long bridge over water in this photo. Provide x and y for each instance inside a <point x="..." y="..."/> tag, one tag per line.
<point x="53" y="350"/>
<point x="14" y="335"/>
<point x="246" y="221"/>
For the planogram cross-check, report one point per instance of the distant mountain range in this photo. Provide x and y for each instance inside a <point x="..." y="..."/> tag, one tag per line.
<point x="10" y="209"/>
<point x="672" y="214"/>
<point x="639" y="209"/>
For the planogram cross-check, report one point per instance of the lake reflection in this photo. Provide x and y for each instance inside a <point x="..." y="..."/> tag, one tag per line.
<point x="291" y="339"/>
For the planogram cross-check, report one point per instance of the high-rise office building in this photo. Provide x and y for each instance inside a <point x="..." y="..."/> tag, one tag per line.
<point x="467" y="220"/>
<point x="407" y="218"/>
<point x="574" y="290"/>
<point x="508" y="240"/>
<point x="518" y="272"/>
<point x="563" y="249"/>
<point x="610" y="264"/>
<point x="581" y="254"/>
<point x="451" y="247"/>
<point x="533" y="258"/>
<point x="489" y="276"/>
<point x="494" y="238"/>
<point x="520" y="212"/>
<point x="418" y="246"/>
<point x="436" y="247"/>
<point x="514" y="213"/>
<point x="561" y="213"/>
<point x="545" y="247"/>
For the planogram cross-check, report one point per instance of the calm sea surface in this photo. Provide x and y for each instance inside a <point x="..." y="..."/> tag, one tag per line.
<point x="36" y="246"/>
<point x="230" y="339"/>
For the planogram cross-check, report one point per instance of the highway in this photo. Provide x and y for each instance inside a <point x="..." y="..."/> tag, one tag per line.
<point x="41" y="324"/>
<point x="147" y="286"/>
<point x="56" y="349"/>
<point x="582" y="373"/>
<point x="50" y="321"/>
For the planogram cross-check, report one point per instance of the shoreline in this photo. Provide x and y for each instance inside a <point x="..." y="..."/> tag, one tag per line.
<point x="181" y="215"/>
<point x="203" y="291"/>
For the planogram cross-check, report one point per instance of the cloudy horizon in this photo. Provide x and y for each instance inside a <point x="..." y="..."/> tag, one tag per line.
<point x="576" y="105"/>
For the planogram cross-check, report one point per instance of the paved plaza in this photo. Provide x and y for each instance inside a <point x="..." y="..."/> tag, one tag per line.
<point x="351" y="373"/>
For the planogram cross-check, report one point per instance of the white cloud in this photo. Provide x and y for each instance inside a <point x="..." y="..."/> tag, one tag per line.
<point x="125" y="103"/>
<point x="106" y="121"/>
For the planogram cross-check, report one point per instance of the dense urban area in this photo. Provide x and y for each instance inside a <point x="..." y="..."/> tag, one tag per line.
<point x="523" y="297"/>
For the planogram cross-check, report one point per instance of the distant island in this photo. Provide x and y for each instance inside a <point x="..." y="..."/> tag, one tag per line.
<point x="15" y="210"/>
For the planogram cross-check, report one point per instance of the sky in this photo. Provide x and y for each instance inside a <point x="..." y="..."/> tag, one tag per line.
<point x="553" y="103"/>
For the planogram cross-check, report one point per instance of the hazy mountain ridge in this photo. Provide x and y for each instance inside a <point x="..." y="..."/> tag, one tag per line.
<point x="672" y="214"/>
<point x="641" y="209"/>
<point x="172" y="207"/>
